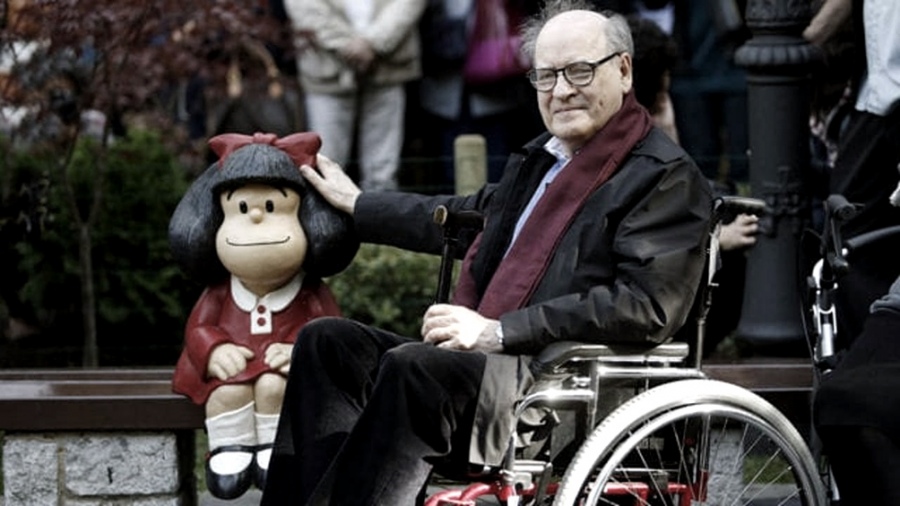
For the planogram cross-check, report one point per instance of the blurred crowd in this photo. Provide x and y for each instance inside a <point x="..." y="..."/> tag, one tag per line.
<point x="384" y="81"/>
<point x="441" y="103"/>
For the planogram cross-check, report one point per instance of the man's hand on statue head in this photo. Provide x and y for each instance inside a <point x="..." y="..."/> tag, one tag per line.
<point x="460" y="328"/>
<point x="278" y="357"/>
<point x="333" y="183"/>
<point x="228" y="360"/>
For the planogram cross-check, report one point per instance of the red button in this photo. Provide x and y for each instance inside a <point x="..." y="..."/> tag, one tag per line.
<point x="260" y="309"/>
<point x="261" y="321"/>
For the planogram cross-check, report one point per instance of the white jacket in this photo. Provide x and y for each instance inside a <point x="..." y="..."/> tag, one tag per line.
<point x="323" y="26"/>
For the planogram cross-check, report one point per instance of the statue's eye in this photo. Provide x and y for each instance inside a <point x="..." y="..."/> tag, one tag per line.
<point x="270" y="206"/>
<point x="243" y="207"/>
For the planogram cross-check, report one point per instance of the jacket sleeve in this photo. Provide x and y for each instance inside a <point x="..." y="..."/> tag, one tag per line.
<point x="406" y="220"/>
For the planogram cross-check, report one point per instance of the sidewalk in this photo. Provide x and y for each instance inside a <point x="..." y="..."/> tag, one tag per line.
<point x="251" y="498"/>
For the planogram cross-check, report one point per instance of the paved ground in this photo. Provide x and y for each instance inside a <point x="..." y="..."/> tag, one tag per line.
<point x="251" y="498"/>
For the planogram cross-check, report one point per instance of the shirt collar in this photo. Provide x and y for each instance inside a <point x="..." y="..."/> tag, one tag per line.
<point x="555" y="147"/>
<point x="275" y="301"/>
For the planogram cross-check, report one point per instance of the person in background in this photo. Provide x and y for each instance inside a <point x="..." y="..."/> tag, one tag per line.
<point x="354" y="60"/>
<point x="856" y="408"/>
<point x="501" y="111"/>
<point x="865" y="169"/>
<point x="655" y="54"/>
<point x="709" y="91"/>
<point x="596" y="232"/>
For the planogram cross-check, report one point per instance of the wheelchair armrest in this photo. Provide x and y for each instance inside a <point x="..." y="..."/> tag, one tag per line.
<point x="558" y="354"/>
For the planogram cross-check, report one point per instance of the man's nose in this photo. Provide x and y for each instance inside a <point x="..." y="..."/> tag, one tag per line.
<point x="256" y="214"/>
<point x="562" y="87"/>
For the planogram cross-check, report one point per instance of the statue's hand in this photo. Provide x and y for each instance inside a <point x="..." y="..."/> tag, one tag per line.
<point x="278" y="357"/>
<point x="228" y="360"/>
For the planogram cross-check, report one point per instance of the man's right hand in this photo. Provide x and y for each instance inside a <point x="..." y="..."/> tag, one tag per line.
<point x="333" y="183"/>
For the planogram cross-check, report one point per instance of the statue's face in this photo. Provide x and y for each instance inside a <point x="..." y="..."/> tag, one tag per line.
<point x="260" y="240"/>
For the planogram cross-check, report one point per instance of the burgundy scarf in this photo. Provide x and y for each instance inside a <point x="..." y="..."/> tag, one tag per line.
<point x="519" y="273"/>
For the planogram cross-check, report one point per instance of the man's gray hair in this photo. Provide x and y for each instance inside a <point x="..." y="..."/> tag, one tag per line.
<point x="618" y="35"/>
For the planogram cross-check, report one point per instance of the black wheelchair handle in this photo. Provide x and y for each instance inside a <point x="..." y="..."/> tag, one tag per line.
<point x="742" y="205"/>
<point x="457" y="220"/>
<point x="838" y="208"/>
<point x="837" y="211"/>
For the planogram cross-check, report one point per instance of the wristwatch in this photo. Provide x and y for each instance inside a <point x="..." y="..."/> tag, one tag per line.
<point x="499" y="333"/>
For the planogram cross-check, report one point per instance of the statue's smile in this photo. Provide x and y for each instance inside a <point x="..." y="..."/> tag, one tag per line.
<point x="261" y="243"/>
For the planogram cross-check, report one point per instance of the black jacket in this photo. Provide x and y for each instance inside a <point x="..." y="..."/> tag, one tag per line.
<point x="627" y="269"/>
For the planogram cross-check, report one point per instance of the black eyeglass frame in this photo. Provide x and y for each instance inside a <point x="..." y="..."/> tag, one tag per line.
<point x="532" y="74"/>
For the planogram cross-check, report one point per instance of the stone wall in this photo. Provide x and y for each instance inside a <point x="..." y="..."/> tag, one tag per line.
<point x="99" y="469"/>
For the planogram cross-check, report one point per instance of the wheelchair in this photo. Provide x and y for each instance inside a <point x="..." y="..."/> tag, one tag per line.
<point x="645" y="426"/>
<point x="834" y="257"/>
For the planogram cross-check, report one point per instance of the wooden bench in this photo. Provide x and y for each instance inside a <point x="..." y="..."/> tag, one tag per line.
<point x="765" y="375"/>
<point x="96" y="436"/>
<point x="142" y="399"/>
<point x="94" y="400"/>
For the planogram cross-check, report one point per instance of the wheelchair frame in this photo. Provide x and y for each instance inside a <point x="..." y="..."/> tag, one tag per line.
<point x="623" y="459"/>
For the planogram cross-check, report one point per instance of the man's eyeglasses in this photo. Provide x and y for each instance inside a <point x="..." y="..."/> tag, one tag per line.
<point x="578" y="74"/>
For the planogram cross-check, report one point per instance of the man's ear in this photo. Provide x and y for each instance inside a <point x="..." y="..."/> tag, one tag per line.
<point x="625" y="71"/>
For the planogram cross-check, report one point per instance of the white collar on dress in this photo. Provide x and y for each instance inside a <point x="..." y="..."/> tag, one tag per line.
<point x="274" y="301"/>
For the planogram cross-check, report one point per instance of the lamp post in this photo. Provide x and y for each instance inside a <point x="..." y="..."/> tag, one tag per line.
<point x="778" y="62"/>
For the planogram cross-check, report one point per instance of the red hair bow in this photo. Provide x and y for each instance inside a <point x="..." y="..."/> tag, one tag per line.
<point x="301" y="147"/>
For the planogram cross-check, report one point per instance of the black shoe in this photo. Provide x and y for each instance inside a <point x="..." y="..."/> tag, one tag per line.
<point x="260" y="474"/>
<point x="230" y="486"/>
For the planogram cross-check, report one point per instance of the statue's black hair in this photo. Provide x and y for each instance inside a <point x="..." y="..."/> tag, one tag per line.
<point x="196" y="220"/>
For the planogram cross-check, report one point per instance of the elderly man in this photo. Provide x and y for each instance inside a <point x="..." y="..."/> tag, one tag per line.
<point x="596" y="232"/>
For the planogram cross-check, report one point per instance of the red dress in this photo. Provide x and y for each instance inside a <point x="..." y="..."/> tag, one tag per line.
<point x="228" y="313"/>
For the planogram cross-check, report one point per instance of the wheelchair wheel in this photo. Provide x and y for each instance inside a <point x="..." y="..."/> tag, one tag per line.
<point x="693" y="442"/>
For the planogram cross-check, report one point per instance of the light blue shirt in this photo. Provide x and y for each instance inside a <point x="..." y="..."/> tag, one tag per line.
<point x="555" y="148"/>
<point x="881" y="86"/>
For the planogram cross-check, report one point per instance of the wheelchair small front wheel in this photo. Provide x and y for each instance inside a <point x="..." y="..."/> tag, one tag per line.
<point x="693" y="442"/>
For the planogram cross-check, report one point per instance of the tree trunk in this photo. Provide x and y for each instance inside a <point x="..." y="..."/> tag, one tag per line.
<point x="88" y="304"/>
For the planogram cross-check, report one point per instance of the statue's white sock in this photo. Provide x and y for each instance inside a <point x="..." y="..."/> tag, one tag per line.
<point x="236" y="427"/>
<point x="266" y="427"/>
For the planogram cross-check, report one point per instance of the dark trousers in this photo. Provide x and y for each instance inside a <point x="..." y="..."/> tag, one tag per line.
<point x="366" y="414"/>
<point x="864" y="462"/>
<point x="856" y="412"/>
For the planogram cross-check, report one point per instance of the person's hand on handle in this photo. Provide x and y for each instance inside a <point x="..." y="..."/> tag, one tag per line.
<point x="333" y="183"/>
<point x="460" y="328"/>
<point x="740" y="233"/>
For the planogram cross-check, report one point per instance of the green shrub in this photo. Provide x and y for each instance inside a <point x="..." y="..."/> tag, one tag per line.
<point x="387" y="287"/>
<point x="142" y="297"/>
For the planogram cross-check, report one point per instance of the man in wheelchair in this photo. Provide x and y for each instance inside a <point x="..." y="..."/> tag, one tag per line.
<point x="596" y="233"/>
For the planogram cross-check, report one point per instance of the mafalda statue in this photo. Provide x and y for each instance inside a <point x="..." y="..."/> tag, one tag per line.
<point x="261" y="239"/>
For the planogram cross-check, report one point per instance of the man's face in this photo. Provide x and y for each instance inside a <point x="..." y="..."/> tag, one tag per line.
<point x="575" y="114"/>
